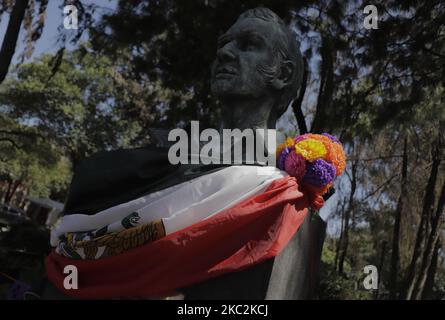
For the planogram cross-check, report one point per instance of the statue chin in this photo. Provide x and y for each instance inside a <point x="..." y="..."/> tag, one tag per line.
<point x="223" y="87"/>
<point x="231" y="89"/>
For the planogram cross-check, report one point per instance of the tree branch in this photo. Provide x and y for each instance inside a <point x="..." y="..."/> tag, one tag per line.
<point x="12" y="33"/>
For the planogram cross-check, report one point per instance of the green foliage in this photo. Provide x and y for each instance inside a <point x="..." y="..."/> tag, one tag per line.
<point x="77" y="107"/>
<point x="334" y="286"/>
<point x="27" y="159"/>
<point x="50" y="121"/>
<point x="69" y="104"/>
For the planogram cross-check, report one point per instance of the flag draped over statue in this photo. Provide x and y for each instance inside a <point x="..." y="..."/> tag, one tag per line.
<point x="154" y="243"/>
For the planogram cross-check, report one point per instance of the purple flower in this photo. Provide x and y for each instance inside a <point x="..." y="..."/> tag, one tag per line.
<point x="283" y="156"/>
<point x="319" y="173"/>
<point x="333" y="138"/>
<point x="295" y="165"/>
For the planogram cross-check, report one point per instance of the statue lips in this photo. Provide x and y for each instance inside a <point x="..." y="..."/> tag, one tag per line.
<point x="225" y="71"/>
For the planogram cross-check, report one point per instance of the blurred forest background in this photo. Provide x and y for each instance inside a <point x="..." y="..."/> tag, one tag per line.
<point x="145" y="64"/>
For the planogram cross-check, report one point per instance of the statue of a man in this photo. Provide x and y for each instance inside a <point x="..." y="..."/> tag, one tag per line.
<point x="257" y="71"/>
<point x="256" y="74"/>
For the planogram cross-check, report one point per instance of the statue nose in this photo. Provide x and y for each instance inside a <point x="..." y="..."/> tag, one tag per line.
<point x="226" y="53"/>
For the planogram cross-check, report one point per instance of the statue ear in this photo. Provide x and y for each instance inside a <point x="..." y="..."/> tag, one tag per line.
<point x="284" y="76"/>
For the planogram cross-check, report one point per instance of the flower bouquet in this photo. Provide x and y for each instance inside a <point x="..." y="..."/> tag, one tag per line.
<point x="315" y="160"/>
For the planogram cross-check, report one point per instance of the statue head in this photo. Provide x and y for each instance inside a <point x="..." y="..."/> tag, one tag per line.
<point x="258" y="57"/>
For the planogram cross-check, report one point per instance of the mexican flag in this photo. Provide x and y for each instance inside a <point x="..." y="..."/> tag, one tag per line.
<point x="137" y="227"/>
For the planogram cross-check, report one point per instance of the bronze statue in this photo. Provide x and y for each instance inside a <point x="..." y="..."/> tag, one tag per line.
<point x="256" y="74"/>
<point x="257" y="70"/>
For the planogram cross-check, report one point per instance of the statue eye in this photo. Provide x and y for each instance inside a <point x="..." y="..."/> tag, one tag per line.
<point x="247" y="43"/>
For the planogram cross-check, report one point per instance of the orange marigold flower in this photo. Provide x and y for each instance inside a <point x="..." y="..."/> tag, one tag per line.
<point x="338" y="158"/>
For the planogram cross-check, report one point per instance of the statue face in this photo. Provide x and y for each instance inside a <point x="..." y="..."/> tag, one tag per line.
<point x="244" y="51"/>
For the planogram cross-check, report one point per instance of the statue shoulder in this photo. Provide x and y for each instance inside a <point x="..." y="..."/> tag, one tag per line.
<point x="108" y="177"/>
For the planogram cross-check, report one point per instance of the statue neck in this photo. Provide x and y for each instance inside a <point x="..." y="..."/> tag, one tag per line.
<point x="247" y="113"/>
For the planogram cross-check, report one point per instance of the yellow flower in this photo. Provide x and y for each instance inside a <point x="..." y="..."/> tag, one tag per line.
<point x="311" y="149"/>
<point x="289" y="142"/>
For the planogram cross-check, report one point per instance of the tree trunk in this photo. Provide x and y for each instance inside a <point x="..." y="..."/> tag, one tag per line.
<point x="8" y="191"/>
<point x="326" y="85"/>
<point x="16" y="184"/>
<point x="380" y="268"/>
<point x="12" y="33"/>
<point x="340" y="240"/>
<point x="297" y="104"/>
<point x="395" y="255"/>
<point x="430" y="247"/>
<point x="345" y="239"/>
<point x="429" y="285"/>
<point x="23" y="200"/>
<point x="12" y="188"/>
<point x="428" y="202"/>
